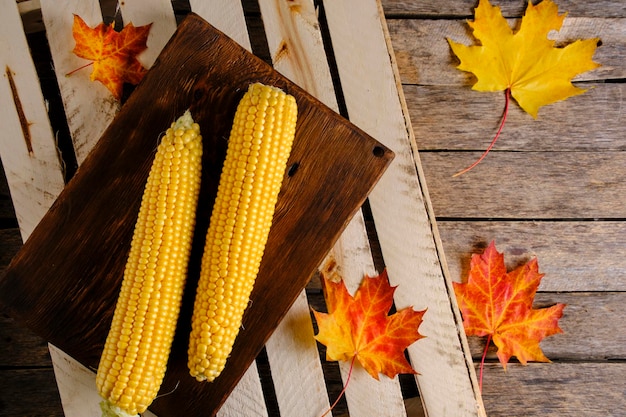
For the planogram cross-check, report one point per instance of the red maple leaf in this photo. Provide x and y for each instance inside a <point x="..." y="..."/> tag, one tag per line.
<point x="499" y="304"/>
<point x="114" y="54"/>
<point x="360" y="327"/>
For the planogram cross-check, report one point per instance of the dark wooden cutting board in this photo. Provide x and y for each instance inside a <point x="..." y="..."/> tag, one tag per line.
<point x="64" y="282"/>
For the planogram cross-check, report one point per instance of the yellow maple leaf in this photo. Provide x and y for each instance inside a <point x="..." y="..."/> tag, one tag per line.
<point x="525" y="64"/>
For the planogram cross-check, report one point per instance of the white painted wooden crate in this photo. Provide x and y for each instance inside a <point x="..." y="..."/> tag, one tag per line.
<point x="400" y="206"/>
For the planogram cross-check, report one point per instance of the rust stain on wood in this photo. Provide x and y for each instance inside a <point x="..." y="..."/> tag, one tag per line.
<point x="20" y="112"/>
<point x="331" y="270"/>
<point x="282" y="51"/>
<point x="294" y="6"/>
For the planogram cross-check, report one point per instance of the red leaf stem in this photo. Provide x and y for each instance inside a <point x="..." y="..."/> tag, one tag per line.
<point x="507" y="94"/>
<point x="482" y="363"/>
<point x="343" y="391"/>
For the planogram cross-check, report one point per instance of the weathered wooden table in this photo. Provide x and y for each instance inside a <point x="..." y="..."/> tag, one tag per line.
<point x="553" y="188"/>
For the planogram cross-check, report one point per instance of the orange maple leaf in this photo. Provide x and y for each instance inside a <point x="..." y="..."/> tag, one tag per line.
<point x="525" y="64"/>
<point x="360" y="326"/>
<point x="499" y="304"/>
<point x="114" y="54"/>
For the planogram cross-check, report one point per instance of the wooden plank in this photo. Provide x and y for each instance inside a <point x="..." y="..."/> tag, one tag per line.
<point x="29" y="392"/>
<point x="556" y="390"/>
<point x="473" y="119"/>
<point x="295" y="364"/>
<point x="27" y="145"/>
<point x="247" y="398"/>
<point x="158" y="13"/>
<point x="28" y="149"/>
<point x="592" y="323"/>
<point x="574" y="256"/>
<point x="338" y="158"/>
<point x="424" y="56"/>
<point x="407" y="241"/>
<point x="296" y="47"/>
<point x="82" y="98"/>
<point x="225" y="15"/>
<point x="532" y="185"/>
<point x="465" y="8"/>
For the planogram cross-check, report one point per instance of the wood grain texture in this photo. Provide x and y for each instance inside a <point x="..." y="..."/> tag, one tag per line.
<point x="247" y="399"/>
<point x="573" y="255"/>
<point x="592" y="324"/>
<point x="296" y="46"/>
<point x="529" y="185"/>
<point x="556" y="390"/>
<point x="425" y="58"/>
<point x="210" y="85"/>
<point x="295" y="364"/>
<point x="510" y="8"/>
<point x="592" y="121"/>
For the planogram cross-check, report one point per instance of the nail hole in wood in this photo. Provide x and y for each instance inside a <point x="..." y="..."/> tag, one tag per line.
<point x="292" y="169"/>
<point x="378" y="151"/>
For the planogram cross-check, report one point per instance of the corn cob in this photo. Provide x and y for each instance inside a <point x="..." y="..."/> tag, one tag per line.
<point x="137" y="347"/>
<point x="259" y="145"/>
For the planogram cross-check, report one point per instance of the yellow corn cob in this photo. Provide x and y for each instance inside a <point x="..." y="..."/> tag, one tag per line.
<point x="259" y="146"/>
<point x="137" y="347"/>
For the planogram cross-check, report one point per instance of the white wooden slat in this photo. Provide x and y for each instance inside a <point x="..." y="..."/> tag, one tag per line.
<point x="34" y="175"/>
<point x="297" y="51"/>
<point x="160" y="14"/>
<point x="296" y="46"/>
<point x="225" y="15"/>
<point x="77" y="382"/>
<point x="295" y="364"/>
<point x="247" y="398"/>
<point x="82" y="98"/>
<point x="401" y="209"/>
